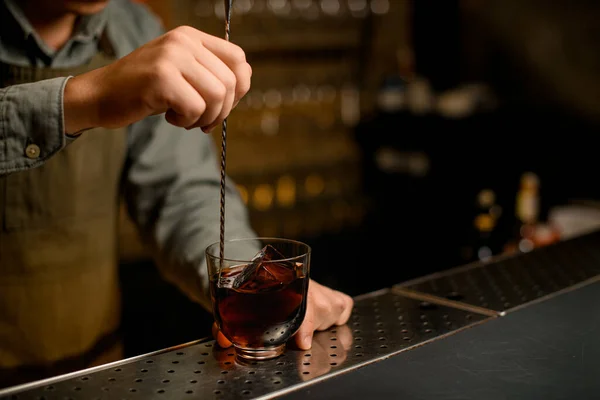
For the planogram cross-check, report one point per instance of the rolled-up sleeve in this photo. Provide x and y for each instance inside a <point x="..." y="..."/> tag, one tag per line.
<point x="31" y="124"/>
<point x="173" y="194"/>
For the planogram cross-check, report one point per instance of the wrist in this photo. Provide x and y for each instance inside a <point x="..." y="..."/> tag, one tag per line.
<point x="80" y="108"/>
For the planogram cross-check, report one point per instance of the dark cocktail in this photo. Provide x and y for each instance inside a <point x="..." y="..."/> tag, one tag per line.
<point x="259" y="302"/>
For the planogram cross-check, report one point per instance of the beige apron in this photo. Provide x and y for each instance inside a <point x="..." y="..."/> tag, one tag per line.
<point x="59" y="288"/>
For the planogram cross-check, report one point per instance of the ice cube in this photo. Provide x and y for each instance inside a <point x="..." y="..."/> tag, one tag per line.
<point x="260" y="276"/>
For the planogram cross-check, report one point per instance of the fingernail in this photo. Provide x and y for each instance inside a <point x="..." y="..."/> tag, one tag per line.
<point x="223" y="341"/>
<point x="306" y="342"/>
<point x="210" y="128"/>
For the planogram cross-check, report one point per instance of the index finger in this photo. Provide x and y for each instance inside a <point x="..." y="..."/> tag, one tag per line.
<point x="230" y="53"/>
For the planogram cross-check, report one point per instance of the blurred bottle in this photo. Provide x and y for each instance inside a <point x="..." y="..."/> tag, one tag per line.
<point x="420" y="96"/>
<point x="391" y="96"/>
<point x="527" y="210"/>
<point x="483" y="243"/>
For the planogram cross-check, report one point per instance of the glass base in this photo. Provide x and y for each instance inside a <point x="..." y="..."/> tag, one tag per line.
<point x="259" y="354"/>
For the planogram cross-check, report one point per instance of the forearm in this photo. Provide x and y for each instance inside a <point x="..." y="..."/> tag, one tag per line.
<point x="80" y="110"/>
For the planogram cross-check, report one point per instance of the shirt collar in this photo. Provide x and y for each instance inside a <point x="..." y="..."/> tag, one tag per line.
<point x="89" y="28"/>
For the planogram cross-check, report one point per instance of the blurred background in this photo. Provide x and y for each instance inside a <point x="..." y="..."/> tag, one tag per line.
<point x="398" y="138"/>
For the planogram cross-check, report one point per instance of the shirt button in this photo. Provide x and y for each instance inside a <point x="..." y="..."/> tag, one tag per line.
<point x="32" y="151"/>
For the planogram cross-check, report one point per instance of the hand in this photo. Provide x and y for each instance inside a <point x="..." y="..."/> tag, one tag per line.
<point x="193" y="77"/>
<point x="325" y="308"/>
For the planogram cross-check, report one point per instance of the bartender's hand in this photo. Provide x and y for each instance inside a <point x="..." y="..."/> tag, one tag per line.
<point x="193" y="77"/>
<point x="325" y="308"/>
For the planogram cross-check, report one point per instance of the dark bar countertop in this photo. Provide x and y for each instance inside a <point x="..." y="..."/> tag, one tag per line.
<point x="547" y="351"/>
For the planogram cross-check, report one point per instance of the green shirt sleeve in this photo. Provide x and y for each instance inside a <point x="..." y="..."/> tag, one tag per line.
<point x="31" y="124"/>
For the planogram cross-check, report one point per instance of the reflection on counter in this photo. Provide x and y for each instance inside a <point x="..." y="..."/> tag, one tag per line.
<point x="329" y="352"/>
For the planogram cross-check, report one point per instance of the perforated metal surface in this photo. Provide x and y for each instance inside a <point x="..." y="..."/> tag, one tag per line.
<point x="508" y="283"/>
<point x="382" y="324"/>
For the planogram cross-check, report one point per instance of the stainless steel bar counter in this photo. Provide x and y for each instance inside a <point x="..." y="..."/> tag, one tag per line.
<point x="516" y="327"/>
